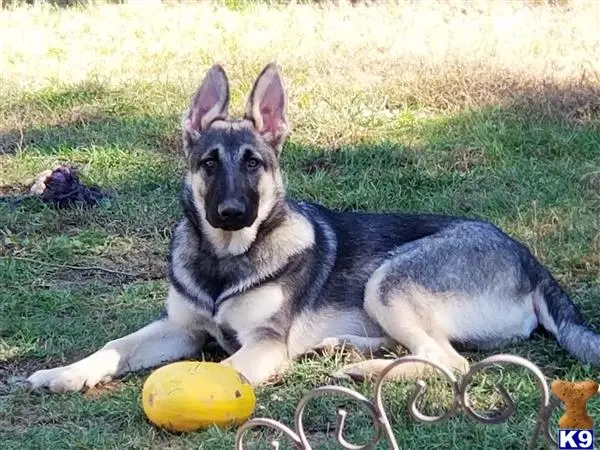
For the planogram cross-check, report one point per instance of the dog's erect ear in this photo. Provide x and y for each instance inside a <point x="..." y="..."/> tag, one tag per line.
<point x="209" y="103"/>
<point x="266" y="107"/>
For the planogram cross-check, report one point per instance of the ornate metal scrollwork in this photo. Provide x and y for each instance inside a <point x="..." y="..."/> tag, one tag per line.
<point x="381" y="424"/>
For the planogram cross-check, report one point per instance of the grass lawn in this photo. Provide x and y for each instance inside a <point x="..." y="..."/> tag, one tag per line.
<point x="483" y="109"/>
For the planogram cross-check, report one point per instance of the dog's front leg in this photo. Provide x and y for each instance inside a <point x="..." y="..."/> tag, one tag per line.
<point x="157" y="343"/>
<point x="259" y="360"/>
<point x="177" y="336"/>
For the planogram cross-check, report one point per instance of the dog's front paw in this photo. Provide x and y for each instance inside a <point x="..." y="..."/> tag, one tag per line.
<point x="64" y="379"/>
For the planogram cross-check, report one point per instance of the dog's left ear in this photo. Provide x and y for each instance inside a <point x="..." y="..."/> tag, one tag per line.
<point x="266" y="107"/>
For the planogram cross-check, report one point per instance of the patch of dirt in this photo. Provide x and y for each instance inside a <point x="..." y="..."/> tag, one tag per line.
<point x="577" y="102"/>
<point x="147" y="262"/>
<point x="14" y="372"/>
<point x="140" y="261"/>
<point x="72" y="278"/>
<point x="103" y="389"/>
<point x="30" y="128"/>
<point x="11" y="190"/>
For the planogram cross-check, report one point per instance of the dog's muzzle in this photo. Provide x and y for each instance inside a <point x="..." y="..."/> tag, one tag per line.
<point x="232" y="215"/>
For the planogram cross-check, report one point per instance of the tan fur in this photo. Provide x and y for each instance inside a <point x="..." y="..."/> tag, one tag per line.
<point x="411" y="321"/>
<point x="232" y="125"/>
<point x="293" y="236"/>
<point x="251" y="310"/>
<point x="185" y="314"/>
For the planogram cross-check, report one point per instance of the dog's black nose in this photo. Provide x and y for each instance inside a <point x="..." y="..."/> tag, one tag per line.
<point x="231" y="209"/>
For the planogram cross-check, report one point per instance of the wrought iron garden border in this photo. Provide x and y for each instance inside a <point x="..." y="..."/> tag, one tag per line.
<point x="382" y="426"/>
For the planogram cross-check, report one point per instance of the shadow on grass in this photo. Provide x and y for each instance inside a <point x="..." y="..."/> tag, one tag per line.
<point x="87" y="114"/>
<point x="87" y="129"/>
<point x="539" y="146"/>
<point x="93" y="113"/>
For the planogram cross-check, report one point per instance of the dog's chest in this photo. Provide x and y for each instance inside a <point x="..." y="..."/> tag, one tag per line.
<point x="253" y="309"/>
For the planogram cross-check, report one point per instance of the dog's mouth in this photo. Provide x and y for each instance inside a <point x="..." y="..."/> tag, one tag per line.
<point x="230" y="225"/>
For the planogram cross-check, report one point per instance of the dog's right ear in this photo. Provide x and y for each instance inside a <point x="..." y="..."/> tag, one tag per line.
<point x="209" y="103"/>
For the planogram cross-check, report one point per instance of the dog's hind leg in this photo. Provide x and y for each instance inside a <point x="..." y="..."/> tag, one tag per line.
<point x="404" y="315"/>
<point x="430" y="349"/>
<point x="362" y="344"/>
<point x="161" y="341"/>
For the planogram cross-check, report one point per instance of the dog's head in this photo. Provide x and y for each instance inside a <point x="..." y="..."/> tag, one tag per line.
<point x="234" y="173"/>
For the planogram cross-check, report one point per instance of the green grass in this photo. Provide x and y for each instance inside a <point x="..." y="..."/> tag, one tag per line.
<point x="527" y="159"/>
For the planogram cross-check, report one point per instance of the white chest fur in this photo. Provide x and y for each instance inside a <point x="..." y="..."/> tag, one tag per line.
<point x="246" y="312"/>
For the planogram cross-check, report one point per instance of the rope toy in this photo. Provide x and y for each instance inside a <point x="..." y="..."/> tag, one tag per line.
<point x="62" y="188"/>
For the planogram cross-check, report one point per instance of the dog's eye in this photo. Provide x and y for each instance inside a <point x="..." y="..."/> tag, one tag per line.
<point x="252" y="163"/>
<point x="209" y="163"/>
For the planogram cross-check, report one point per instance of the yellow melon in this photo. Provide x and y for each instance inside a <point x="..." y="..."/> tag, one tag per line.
<point x="190" y="395"/>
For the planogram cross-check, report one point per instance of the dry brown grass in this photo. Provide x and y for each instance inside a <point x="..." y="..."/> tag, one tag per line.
<point x="380" y="59"/>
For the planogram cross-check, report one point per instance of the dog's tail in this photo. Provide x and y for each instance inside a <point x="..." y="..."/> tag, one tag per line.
<point x="560" y="316"/>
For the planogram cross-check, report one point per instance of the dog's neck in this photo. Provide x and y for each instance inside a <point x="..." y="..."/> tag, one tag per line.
<point x="284" y="233"/>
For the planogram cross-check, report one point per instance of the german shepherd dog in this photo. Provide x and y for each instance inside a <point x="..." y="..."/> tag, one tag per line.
<point x="270" y="278"/>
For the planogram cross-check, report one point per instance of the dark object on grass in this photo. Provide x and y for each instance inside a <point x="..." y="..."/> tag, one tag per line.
<point x="59" y="187"/>
<point x="62" y="188"/>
